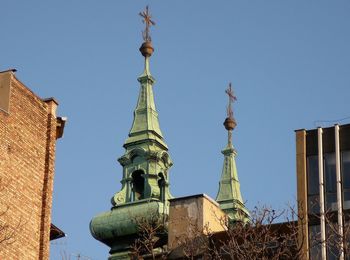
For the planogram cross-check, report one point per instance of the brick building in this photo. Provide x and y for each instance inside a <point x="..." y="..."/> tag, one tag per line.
<point x="29" y="129"/>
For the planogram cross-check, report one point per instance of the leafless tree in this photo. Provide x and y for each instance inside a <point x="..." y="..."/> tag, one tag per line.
<point x="65" y="255"/>
<point x="337" y="240"/>
<point x="151" y="230"/>
<point x="264" y="237"/>
<point x="196" y="242"/>
<point x="8" y="230"/>
<point x="269" y="235"/>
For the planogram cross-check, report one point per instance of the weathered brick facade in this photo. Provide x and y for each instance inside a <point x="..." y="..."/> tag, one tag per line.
<point x="28" y="133"/>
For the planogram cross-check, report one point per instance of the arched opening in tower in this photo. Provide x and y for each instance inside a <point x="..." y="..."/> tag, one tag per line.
<point x="138" y="184"/>
<point x="161" y="185"/>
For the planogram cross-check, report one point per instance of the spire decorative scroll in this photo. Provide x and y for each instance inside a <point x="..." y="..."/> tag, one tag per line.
<point x="148" y="23"/>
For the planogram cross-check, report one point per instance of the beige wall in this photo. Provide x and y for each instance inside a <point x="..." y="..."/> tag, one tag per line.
<point x="191" y="216"/>
<point x="302" y="189"/>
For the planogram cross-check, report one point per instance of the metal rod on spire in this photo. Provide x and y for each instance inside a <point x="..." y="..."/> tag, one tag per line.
<point x="148" y="23"/>
<point x="231" y="98"/>
<point x="146" y="48"/>
<point x="230" y="122"/>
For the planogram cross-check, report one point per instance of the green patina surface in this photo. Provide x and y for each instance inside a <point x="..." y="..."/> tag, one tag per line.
<point x="118" y="227"/>
<point x="145" y="182"/>
<point x="146" y="151"/>
<point x="146" y="125"/>
<point x="229" y="195"/>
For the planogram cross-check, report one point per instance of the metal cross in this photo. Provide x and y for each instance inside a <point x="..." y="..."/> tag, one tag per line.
<point x="231" y="98"/>
<point x="146" y="20"/>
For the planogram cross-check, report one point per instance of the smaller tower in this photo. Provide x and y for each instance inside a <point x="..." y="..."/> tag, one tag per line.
<point x="229" y="195"/>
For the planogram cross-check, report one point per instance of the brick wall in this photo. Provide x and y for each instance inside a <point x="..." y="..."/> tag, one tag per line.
<point x="27" y="154"/>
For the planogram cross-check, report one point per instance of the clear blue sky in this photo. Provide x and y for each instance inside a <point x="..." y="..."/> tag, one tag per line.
<point x="289" y="63"/>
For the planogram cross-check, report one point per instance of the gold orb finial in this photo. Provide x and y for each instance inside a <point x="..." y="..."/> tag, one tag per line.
<point x="230" y="123"/>
<point x="146" y="49"/>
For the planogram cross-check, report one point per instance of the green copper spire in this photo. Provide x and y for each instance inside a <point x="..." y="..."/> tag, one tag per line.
<point x="229" y="195"/>
<point x="145" y="179"/>
<point x="146" y="154"/>
<point x="145" y="125"/>
<point x="146" y="160"/>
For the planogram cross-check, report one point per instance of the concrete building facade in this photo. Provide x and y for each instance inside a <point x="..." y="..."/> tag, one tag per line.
<point x="323" y="188"/>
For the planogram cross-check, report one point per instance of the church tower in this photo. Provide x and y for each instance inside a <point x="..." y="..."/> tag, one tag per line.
<point x="146" y="163"/>
<point x="229" y="195"/>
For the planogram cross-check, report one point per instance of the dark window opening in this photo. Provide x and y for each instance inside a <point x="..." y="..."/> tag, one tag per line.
<point x="345" y="168"/>
<point x="138" y="184"/>
<point x="161" y="184"/>
<point x="313" y="185"/>
<point x="333" y="242"/>
<point x="314" y="242"/>
<point x="330" y="182"/>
